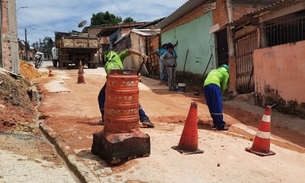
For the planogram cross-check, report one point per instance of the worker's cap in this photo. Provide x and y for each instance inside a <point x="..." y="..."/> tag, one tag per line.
<point x="225" y="66"/>
<point x="170" y="45"/>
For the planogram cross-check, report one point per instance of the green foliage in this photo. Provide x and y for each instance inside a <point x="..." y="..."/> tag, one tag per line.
<point x="44" y="46"/>
<point x="105" y="18"/>
<point x="128" y="20"/>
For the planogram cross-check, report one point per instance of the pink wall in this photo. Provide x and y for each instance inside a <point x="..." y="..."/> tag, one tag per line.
<point x="280" y="72"/>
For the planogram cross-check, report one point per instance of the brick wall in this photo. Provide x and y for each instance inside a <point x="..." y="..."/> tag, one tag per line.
<point x="240" y="10"/>
<point x="220" y="14"/>
<point x="197" y="12"/>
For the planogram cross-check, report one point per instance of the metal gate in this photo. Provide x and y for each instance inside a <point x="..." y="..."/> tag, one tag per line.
<point x="244" y="62"/>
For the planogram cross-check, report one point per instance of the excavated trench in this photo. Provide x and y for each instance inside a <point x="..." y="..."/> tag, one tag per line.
<point x="26" y="138"/>
<point x="70" y="167"/>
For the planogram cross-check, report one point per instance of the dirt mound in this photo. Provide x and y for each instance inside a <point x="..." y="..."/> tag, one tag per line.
<point x="16" y="106"/>
<point x="28" y="71"/>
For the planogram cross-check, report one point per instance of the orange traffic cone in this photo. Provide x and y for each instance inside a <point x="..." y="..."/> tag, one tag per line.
<point x="188" y="143"/>
<point x="80" y="78"/>
<point x="261" y="143"/>
<point x="50" y="72"/>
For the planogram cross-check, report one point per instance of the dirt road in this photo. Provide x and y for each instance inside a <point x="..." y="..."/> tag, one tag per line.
<point x="70" y="112"/>
<point x="69" y="115"/>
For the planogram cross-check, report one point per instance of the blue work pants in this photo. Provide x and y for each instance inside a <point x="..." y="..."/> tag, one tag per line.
<point x="213" y="97"/>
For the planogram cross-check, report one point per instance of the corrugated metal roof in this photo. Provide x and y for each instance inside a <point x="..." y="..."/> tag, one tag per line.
<point x="248" y="16"/>
<point x="184" y="9"/>
<point x="142" y="32"/>
<point x="146" y="32"/>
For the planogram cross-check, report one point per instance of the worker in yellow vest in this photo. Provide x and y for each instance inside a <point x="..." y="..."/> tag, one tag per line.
<point x="115" y="61"/>
<point x="214" y="86"/>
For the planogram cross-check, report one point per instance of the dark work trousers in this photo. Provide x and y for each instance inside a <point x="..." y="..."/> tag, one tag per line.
<point x="101" y="103"/>
<point x="213" y="97"/>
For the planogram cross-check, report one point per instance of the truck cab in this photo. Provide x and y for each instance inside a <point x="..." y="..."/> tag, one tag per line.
<point x="54" y="56"/>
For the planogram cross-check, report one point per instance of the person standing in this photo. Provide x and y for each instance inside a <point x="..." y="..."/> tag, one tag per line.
<point x="115" y="61"/>
<point x="214" y="86"/>
<point x="162" y="69"/>
<point x="169" y="59"/>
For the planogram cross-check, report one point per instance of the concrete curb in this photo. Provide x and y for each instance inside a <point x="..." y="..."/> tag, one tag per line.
<point x="84" y="174"/>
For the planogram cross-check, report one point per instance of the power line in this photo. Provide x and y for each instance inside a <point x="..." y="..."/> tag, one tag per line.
<point x="118" y="6"/>
<point x="34" y="25"/>
<point x="37" y="26"/>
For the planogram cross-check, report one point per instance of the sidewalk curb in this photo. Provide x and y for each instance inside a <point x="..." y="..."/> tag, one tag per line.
<point x="79" y="170"/>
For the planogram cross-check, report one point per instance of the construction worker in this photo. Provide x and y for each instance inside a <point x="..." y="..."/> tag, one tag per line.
<point x="114" y="60"/>
<point x="214" y="86"/>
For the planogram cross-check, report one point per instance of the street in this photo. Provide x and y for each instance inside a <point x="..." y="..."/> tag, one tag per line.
<point x="69" y="116"/>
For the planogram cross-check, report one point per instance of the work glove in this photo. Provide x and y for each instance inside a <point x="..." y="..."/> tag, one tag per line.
<point x="145" y="57"/>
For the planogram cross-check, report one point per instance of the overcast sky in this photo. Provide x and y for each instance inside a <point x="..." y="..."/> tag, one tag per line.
<point x="42" y="17"/>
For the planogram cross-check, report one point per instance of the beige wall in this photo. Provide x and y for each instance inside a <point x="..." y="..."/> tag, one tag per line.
<point x="279" y="75"/>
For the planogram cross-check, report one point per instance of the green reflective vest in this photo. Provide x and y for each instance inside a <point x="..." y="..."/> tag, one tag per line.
<point x="218" y="76"/>
<point x="116" y="60"/>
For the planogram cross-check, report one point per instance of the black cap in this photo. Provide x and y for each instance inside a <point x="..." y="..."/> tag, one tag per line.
<point x="170" y="45"/>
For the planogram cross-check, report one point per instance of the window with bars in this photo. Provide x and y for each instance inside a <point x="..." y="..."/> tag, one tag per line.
<point x="287" y="29"/>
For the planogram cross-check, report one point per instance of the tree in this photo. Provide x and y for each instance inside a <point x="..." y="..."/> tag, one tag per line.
<point x="128" y="20"/>
<point x="105" y="18"/>
<point x="44" y="46"/>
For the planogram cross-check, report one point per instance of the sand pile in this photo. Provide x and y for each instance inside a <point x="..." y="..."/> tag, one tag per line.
<point x="28" y="70"/>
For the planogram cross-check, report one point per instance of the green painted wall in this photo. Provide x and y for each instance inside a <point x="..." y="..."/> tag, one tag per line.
<point x="195" y="37"/>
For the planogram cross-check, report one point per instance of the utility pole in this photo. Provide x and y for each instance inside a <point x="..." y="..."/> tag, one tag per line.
<point x="229" y="30"/>
<point x="231" y="49"/>
<point x="25" y="44"/>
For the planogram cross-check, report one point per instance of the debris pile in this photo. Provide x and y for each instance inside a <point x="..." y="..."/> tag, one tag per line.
<point x="16" y="104"/>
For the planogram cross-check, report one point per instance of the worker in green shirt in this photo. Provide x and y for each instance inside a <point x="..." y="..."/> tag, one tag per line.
<point x="115" y="61"/>
<point x="214" y="86"/>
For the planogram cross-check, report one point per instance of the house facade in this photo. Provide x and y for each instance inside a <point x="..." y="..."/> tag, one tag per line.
<point x="204" y="43"/>
<point x="140" y="40"/>
<point x="140" y="36"/>
<point x="189" y="25"/>
<point x="268" y="47"/>
<point x="279" y="61"/>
